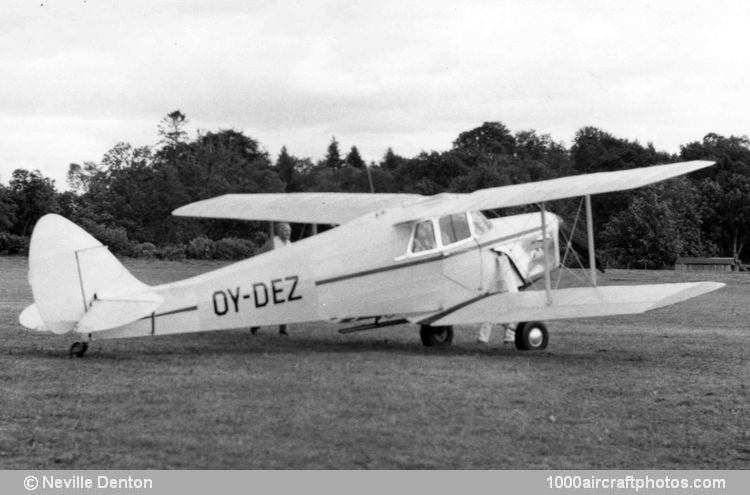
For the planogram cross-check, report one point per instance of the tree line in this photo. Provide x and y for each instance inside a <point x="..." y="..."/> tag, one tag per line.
<point x="126" y="198"/>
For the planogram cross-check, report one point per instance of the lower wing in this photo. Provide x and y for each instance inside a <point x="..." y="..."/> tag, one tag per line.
<point x="580" y="302"/>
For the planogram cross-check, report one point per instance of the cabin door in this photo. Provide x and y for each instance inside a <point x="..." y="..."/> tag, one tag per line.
<point x="464" y="267"/>
<point x="463" y="261"/>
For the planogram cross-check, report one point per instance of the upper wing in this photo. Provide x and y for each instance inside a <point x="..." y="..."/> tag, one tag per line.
<point x="325" y="208"/>
<point x="338" y="208"/>
<point x="546" y="190"/>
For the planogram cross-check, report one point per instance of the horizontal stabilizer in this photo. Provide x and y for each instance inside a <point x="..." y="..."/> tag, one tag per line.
<point x="579" y="302"/>
<point x="114" y="311"/>
<point x="31" y="319"/>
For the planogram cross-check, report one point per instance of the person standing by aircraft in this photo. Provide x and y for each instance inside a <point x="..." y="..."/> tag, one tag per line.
<point x="485" y="331"/>
<point x="281" y="240"/>
<point x="506" y="281"/>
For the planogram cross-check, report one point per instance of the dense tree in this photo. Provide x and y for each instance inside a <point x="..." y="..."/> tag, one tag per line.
<point x="489" y="138"/>
<point x="7" y="209"/>
<point x="595" y="150"/>
<point x="172" y="129"/>
<point x="725" y="190"/>
<point x="383" y="180"/>
<point x="124" y="155"/>
<point x="492" y="156"/>
<point x="173" y="140"/>
<point x="333" y="155"/>
<point x="643" y="234"/>
<point x="33" y="195"/>
<point x="220" y="163"/>
<point x="661" y="223"/>
<point x="391" y="161"/>
<point x="286" y="166"/>
<point x="431" y="173"/>
<point x="127" y="197"/>
<point x="486" y="173"/>
<point x="80" y="176"/>
<point x="542" y="156"/>
<point x="226" y="162"/>
<point x="353" y="159"/>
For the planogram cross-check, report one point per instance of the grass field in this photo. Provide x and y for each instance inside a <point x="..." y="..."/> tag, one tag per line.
<point x="669" y="389"/>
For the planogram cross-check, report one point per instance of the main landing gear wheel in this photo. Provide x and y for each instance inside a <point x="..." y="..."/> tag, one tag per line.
<point x="78" y="349"/>
<point x="531" y="336"/>
<point x="436" y="336"/>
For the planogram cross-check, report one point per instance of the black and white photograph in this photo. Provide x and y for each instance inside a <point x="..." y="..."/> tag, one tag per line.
<point x="358" y="235"/>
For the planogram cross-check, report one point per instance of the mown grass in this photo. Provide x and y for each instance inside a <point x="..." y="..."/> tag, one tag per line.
<point x="667" y="389"/>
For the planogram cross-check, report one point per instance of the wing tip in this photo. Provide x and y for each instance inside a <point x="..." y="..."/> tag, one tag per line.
<point x="690" y="290"/>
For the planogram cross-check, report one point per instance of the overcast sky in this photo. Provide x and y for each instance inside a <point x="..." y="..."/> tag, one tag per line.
<point x="79" y="76"/>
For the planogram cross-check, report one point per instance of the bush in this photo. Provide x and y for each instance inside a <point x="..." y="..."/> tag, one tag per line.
<point x="115" y="238"/>
<point x="201" y="248"/>
<point x="13" y="244"/>
<point x="143" y="250"/>
<point x="232" y="248"/>
<point x="175" y="252"/>
<point x="229" y="248"/>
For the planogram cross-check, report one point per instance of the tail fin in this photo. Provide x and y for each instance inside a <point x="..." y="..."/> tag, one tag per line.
<point x="78" y="284"/>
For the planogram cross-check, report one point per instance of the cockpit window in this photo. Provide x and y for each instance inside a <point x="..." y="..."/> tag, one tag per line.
<point x="454" y="228"/>
<point x="424" y="237"/>
<point x="480" y="223"/>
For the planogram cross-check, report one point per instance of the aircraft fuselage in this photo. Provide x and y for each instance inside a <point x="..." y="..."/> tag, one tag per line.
<point x="364" y="268"/>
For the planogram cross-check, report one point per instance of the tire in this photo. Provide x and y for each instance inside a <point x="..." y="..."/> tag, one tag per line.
<point x="531" y="336"/>
<point x="78" y="349"/>
<point x="436" y="336"/>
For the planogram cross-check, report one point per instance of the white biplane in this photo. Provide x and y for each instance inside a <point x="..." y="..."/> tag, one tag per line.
<point x="435" y="262"/>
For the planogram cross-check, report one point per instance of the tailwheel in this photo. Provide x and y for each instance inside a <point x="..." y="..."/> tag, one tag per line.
<point x="78" y="349"/>
<point x="436" y="336"/>
<point x="531" y="336"/>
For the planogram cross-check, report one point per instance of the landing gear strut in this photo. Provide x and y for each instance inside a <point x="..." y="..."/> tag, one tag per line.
<point x="78" y="349"/>
<point x="531" y="336"/>
<point x="436" y="336"/>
